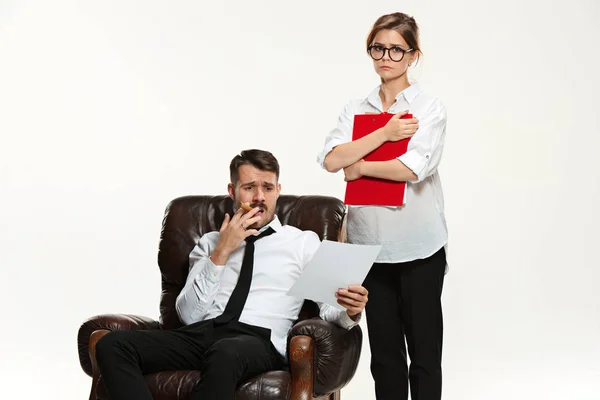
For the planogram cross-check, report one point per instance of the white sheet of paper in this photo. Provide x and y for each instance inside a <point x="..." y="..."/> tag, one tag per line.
<point x="335" y="265"/>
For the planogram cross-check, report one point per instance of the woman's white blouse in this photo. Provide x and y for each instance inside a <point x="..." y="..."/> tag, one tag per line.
<point x="417" y="229"/>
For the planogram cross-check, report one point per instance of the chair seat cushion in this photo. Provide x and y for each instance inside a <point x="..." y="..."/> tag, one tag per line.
<point x="179" y="385"/>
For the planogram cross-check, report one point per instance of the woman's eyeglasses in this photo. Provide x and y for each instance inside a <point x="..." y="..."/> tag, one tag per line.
<point x="396" y="53"/>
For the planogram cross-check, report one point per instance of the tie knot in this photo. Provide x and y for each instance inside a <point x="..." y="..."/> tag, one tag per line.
<point x="254" y="238"/>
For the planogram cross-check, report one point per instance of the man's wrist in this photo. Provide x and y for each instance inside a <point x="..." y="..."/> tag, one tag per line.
<point x="353" y="317"/>
<point x="219" y="257"/>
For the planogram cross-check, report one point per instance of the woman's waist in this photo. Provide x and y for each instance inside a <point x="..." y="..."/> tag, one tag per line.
<point x="388" y="225"/>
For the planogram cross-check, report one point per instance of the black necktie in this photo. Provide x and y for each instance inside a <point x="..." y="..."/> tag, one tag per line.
<point x="236" y="302"/>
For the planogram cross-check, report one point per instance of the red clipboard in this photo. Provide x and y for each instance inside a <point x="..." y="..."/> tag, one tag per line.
<point x="367" y="191"/>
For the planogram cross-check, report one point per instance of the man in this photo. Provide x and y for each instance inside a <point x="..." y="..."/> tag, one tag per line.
<point x="234" y="306"/>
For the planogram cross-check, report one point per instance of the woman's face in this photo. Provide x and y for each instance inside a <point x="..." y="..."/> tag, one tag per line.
<point x="388" y="67"/>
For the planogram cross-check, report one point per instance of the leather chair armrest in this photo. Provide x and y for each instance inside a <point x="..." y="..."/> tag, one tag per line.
<point x="107" y="322"/>
<point x="336" y="354"/>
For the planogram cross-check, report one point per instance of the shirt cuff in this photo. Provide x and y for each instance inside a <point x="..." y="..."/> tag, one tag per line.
<point x="328" y="147"/>
<point x="347" y="322"/>
<point x="212" y="272"/>
<point x="415" y="162"/>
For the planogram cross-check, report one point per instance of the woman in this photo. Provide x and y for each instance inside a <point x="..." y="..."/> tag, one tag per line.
<point x="405" y="283"/>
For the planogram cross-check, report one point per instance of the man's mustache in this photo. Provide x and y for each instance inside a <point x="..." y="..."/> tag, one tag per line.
<point x="261" y="205"/>
<point x="254" y="205"/>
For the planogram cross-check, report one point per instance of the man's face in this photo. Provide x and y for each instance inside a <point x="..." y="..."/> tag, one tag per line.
<point x="257" y="188"/>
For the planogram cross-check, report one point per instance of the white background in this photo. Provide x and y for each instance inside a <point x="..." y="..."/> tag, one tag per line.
<point x="108" y="110"/>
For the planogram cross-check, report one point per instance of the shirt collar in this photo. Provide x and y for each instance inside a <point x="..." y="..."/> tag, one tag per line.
<point x="409" y="94"/>
<point x="275" y="224"/>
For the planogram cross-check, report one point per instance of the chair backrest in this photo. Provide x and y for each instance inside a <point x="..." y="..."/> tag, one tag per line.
<point x="187" y="218"/>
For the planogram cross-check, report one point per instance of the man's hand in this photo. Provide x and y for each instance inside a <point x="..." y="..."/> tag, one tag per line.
<point x="233" y="231"/>
<point x="352" y="172"/>
<point x="353" y="299"/>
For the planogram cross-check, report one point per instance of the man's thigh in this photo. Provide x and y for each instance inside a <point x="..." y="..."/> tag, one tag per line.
<point x="154" y="350"/>
<point x="242" y="356"/>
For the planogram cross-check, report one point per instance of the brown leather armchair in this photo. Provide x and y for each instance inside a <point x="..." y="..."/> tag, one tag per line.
<point x="323" y="357"/>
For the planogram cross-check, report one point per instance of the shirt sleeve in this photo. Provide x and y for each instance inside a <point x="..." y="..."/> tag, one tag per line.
<point x="425" y="147"/>
<point x="341" y="134"/>
<point x="201" y="284"/>
<point x="327" y="312"/>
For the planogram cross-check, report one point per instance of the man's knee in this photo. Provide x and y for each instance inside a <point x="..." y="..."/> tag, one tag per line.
<point x="111" y="344"/>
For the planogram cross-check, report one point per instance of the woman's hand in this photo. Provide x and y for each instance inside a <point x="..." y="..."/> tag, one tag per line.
<point x="399" y="128"/>
<point x="352" y="172"/>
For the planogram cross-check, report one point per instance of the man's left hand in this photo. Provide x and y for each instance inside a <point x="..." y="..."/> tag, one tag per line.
<point x="353" y="299"/>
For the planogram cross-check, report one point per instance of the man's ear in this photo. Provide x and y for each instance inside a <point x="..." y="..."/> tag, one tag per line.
<point x="231" y="191"/>
<point x="278" y="189"/>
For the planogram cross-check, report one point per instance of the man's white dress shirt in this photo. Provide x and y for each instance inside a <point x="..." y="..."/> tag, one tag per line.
<point x="278" y="261"/>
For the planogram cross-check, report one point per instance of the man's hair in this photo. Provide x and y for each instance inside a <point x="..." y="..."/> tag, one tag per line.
<point x="260" y="159"/>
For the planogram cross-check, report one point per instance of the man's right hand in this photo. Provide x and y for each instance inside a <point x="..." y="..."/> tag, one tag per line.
<point x="399" y="128"/>
<point x="233" y="231"/>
